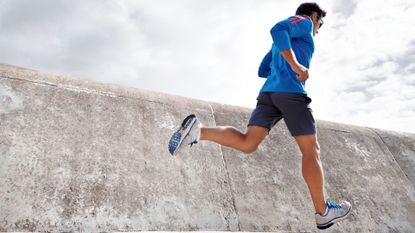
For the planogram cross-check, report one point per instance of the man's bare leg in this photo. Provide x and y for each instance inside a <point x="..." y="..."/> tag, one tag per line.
<point x="312" y="170"/>
<point x="231" y="137"/>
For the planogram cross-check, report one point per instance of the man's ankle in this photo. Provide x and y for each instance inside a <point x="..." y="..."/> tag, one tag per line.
<point x="322" y="211"/>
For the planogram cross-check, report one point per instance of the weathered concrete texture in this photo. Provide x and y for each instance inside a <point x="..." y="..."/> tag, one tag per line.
<point x="75" y="157"/>
<point x="360" y="167"/>
<point x="82" y="156"/>
<point x="402" y="147"/>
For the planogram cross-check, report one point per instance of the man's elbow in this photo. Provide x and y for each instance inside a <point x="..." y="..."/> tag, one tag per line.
<point x="263" y="73"/>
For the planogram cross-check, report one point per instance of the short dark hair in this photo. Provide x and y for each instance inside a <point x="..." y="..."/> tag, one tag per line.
<point x="308" y="8"/>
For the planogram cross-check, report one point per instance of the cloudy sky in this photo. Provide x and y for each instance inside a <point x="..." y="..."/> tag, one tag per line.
<point x="362" y="72"/>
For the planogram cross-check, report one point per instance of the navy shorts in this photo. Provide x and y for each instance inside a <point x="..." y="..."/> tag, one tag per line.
<point x="293" y="107"/>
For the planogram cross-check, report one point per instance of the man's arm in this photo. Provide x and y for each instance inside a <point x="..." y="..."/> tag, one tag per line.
<point x="281" y="34"/>
<point x="264" y="69"/>
<point x="300" y="70"/>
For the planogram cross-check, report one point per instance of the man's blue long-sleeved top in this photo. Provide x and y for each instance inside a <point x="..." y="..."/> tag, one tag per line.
<point x="294" y="33"/>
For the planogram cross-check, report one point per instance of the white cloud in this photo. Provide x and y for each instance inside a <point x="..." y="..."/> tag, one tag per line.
<point x="345" y="8"/>
<point x="366" y="61"/>
<point x="362" y="72"/>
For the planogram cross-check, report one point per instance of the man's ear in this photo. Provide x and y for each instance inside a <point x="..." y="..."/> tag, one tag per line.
<point x="314" y="16"/>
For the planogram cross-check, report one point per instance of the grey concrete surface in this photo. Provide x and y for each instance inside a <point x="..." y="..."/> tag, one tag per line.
<point x="402" y="147"/>
<point x="80" y="156"/>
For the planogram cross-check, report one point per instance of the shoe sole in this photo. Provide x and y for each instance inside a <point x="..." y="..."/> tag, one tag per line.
<point x="333" y="221"/>
<point x="178" y="137"/>
<point x="325" y="227"/>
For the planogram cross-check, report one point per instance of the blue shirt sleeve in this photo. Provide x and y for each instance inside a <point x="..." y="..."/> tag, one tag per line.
<point x="264" y="69"/>
<point x="293" y="27"/>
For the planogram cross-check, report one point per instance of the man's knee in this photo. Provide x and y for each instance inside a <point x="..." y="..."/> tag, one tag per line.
<point x="316" y="147"/>
<point x="309" y="146"/>
<point x="253" y="138"/>
<point x="313" y="151"/>
<point x="249" y="148"/>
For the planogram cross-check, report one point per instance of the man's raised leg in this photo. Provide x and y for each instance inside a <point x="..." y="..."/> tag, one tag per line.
<point x="191" y="131"/>
<point x="231" y="137"/>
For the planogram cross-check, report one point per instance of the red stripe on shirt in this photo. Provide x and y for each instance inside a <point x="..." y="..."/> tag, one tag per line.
<point x="297" y="19"/>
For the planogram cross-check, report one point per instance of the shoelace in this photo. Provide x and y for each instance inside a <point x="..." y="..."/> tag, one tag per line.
<point x="193" y="142"/>
<point x="333" y="205"/>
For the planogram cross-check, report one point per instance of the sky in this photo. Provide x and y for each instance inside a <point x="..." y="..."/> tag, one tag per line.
<point x="362" y="72"/>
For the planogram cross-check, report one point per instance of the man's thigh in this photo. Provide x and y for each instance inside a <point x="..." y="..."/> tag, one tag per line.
<point x="265" y="113"/>
<point x="296" y="112"/>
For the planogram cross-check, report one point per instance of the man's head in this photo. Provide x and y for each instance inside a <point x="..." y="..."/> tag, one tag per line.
<point x="314" y="11"/>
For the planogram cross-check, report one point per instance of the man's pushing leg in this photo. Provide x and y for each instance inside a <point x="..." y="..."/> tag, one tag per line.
<point x="312" y="170"/>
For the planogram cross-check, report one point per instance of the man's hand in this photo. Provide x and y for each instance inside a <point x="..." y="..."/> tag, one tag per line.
<point x="301" y="71"/>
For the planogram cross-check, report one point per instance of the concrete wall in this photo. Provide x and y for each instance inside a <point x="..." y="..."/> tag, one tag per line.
<point x="82" y="156"/>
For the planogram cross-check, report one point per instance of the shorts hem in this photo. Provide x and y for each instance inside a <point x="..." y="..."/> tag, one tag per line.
<point x="303" y="133"/>
<point x="254" y="124"/>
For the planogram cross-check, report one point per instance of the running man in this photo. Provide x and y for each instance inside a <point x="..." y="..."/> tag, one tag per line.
<point x="283" y="95"/>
